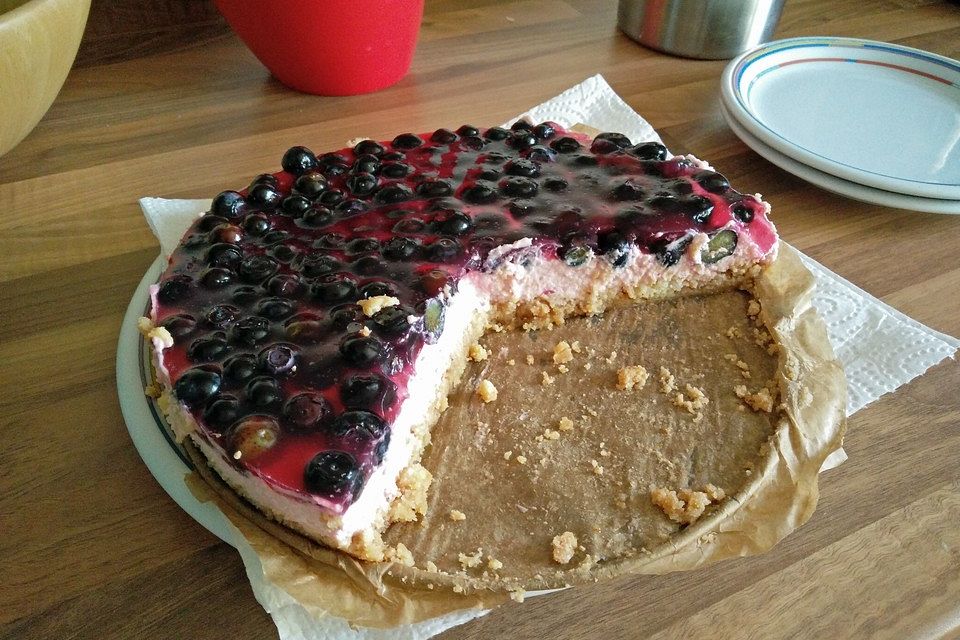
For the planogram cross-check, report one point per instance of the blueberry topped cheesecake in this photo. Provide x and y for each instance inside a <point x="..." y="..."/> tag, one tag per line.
<point x="308" y="328"/>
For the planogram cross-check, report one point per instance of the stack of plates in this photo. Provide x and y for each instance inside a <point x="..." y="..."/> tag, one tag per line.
<point x="869" y="120"/>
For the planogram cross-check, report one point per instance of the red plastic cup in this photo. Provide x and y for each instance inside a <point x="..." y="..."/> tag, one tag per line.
<point x="329" y="47"/>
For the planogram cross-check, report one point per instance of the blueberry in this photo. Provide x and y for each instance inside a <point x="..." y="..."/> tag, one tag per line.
<point x="522" y="125"/>
<point x="331" y="197"/>
<point x="453" y="223"/>
<point x="318" y="264"/>
<point x="256" y="269"/>
<point x="366" y="164"/>
<point x="495" y="157"/>
<point x="333" y="164"/>
<point x="350" y="207"/>
<point x="434" y="188"/>
<point x="522" y="139"/>
<point x="317" y="217"/>
<point x="363" y="391"/>
<point x="333" y="473"/>
<point x="346" y="315"/>
<point x="361" y="351"/>
<point x="264" y="178"/>
<point x="311" y="185"/>
<point x="400" y="248"/>
<point x="228" y="204"/>
<point x="285" y="285"/>
<point x="392" y="321"/>
<point x="208" y="221"/>
<point x="669" y="251"/>
<point x="216" y="277"/>
<point x="522" y="167"/>
<point x="256" y="224"/>
<point x="615" y="247"/>
<point x="252" y="436"/>
<point x="298" y="160"/>
<point x="555" y="184"/>
<point x="275" y="236"/>
<point x="544" y="130"/>
<point x="335" y="289"/>
<point x="221" y="316"/>
<point x="721" y="244"/>
<point x="393" y="156"/>
<point x="491" y="175"/>
<point x="239" y="367"/>
<point x="407" y="141"/>
<point x="179" y="325"/>
<point x="576" y="255"/>
<point x="295" y="205"/>
<point x="629" y="189"/>
<point x="368" y="147"/>
<point x="222" y="412"/>
<point x="359" y="246"/>
<point x="359" y="421"/>
<point x="468" y="130"/>
<point x="275" y="308"/>
<point x="362" y="183"/>
<point x="264" y="196"/>
<point x="540" y="153"/>
<point x="712" y="181"/>
<point x="277" y="359"/>
<point x="208" y="349"/>
<point x="518" y="187"/>
<point x="698" y="208"/>
<point x="395" y="170"/>
<point x="306" y="411"/>
<point x="250" y="331"/>
<point x="620" y="140"/>
<point x="648" y="151"/>
<point x="442" y="250"/>
<point x="496" y="133"/>
<point x="602" y="146"/>
<point x="443" y="136"/>
<point x="196" y="386"/>
<point x="245" y="294"/>
<point x="742" y="212"/>
<point x="433" y="282"/>
<point x="330" y="241"/>
<point x="480" y="193"/>
<point x="369" y="265"/>
<point x="474" y="143"/>
<point x="393" y="193"/>
<point x="378" y="288"/>
<point x="584" y="160"/>
<point x="566" y="144"/>
<point x="262" y="391"/>
<point x="306" y="328"/>
<point x="175" y="288"/>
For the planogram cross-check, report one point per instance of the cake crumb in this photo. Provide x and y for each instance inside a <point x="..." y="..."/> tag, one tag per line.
<point x="566" y="424"/>
<point x="414" y="482"/>
<point x="667" y="382"/>
<point x="365" y="331"/>
<point x="400" y="554"/>
<point x="517" y="594"/>
<point x="715" y="493"/>
<point x="458" y="588"/>
<point x="562" y="368"/>
<point x="550" y="434"/>
<point x="759" y="401"/>
<point x="530" y="359"/>
<point x="522" y="459"/>
<point x="486" y="391"/>
<point x="693" y="399"/>
<point x="564" y="547"/>
<point x="372" y="305"/>
<point x="575" y="346"/>
<point x="511" y="362"/>
<point x="152" y="390"/>
<point x="562" y="353"/>
<point x="546" y="379"/>
<point x="493" y="564"/>
<point x="457" y="516"/>
<point x="753" y="308"/>
<point x="684" y="506"/>
<point x="733" y="332"/>
<point x="507" y="455"/>
<point x="587" y="366"/>
<point x="631" y="377"/>
<point x="471" y="561"/>
<point x="444" y="404"/>
<point x="597" y="469"/>
<point x="477" y="352"/>
<point x="612" y="358"/>
<point x="431" y="567"/>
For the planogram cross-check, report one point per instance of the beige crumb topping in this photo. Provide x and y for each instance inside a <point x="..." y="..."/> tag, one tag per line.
<point x="517" y="594"/>
<point x="457" y="515"/>
<point x="575" y="346"/>
<point x="753" y="308"/>
<point x="565" y="424"/>
<point x="511" y="362"/>
<point x="486" y="391"/>
<point x="692" y="399"/>
<point x="546" y="379"/>
<point x="667" y="382"/>
<point x="507" y="455"/>
<point x="493" y="564"/>
<point x="612" y="358"/>
<point x="372" y="305"/>
<point x="365" y="331"/>
<point x="472" y="560"/>
<point x="562" y="368"/>
<point x="431" y="567"/>
<point x="550" y="434"/>
<point x="158" y="335"/>
<point x="444" y="404"/>
<point x="564" y="547"/>
<point x="530" y="359"/>
<point x="685" y="506"/>
<point x="477" y="352"/>
<point x="597" y="468"/>
<point x="733" y="332"/>
<point x="632" y="377"/>
<point x="400" y="554"/>
<point x="759" y="401"/>
<point x="522" y="459"/>
<point x="562" y="353"/>
<point x="413" y="482"/>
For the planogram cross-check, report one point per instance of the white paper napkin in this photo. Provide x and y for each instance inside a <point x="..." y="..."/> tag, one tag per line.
<point x="881" y="349"/>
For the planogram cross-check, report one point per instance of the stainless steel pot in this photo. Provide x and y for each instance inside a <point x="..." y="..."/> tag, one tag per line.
<point x="705" y="29"/>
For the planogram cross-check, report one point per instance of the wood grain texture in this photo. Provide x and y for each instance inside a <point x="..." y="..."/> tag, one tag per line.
<point x="165" y="101"/>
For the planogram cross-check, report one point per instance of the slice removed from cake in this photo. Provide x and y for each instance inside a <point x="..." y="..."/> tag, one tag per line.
<point x="308" y="328"/>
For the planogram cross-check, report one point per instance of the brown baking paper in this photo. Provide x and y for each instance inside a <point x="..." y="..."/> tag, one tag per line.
<point x="594" y="479"/>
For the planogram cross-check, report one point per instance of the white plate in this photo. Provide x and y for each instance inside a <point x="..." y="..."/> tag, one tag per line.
<point x="837" y="185"/>
<point x="146" y="424"/>
<point x="878" y="114"/>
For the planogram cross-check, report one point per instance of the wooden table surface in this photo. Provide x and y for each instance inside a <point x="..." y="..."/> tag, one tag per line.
<point x="166" y="101"/>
